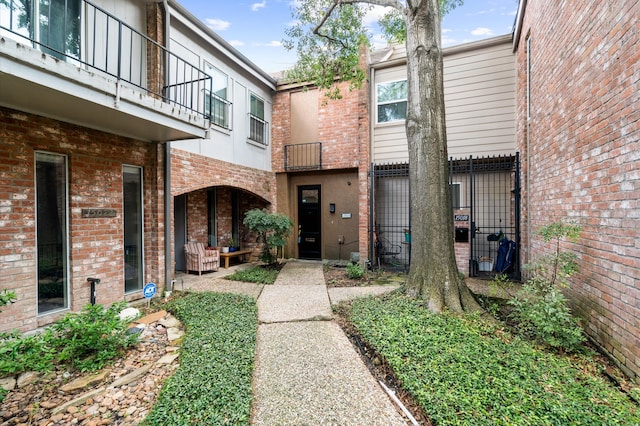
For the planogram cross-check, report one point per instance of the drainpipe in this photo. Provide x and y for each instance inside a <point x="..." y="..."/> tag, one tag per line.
<point x="168" y="259"/>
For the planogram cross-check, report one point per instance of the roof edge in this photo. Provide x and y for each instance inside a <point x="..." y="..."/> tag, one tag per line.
<point x="238" y="57"/>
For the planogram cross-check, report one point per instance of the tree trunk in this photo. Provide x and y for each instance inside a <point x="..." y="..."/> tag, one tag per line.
<point x="434" y="274"/>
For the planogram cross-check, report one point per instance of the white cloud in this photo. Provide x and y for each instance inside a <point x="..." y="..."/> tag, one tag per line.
<point x="236" y="43"/>
<point x="273" y="43"/>
<point x="374" y="14"/>
<point x="482" y="31"/>
<point x="257" y="6"/>
<point x="217" y="24"/>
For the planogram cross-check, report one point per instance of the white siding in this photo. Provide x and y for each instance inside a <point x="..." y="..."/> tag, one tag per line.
<point x="479" y="87"/>
<point x="230" y="145"/>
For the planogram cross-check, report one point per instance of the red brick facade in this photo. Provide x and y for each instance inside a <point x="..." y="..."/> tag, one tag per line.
<point x="194" y="174"/>
<point x="95" y="163"/>
<point x="343" y="130"/>
<point x="580" y="152"/>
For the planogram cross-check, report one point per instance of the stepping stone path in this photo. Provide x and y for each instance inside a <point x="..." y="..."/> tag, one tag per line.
<point x="121" y="394"/>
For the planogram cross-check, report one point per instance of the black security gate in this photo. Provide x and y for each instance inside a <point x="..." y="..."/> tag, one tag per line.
<point x="488" y="190"/>
<point x="485" y="193"/>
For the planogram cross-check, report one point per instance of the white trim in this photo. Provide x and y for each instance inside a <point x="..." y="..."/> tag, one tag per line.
<point x="397" y="101"/>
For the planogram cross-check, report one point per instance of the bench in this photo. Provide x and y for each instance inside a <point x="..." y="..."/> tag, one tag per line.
<point x="237" y="253"/>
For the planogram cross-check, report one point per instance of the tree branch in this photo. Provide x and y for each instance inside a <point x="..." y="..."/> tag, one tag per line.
<point x="387" y="3"/>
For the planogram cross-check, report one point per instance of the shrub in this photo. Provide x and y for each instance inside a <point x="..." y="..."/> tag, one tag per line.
<point x="29" y="353"/>
<point x="7" y="297"/>
<point x="355" y="271"/>
<point x="273" y="229"/>
<point x="542" y="312"/>
<point x="87" y="341"/>
<point x="90" y="339"/>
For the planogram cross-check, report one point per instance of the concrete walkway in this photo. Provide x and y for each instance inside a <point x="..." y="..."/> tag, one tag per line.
<point x="307" y="372"/>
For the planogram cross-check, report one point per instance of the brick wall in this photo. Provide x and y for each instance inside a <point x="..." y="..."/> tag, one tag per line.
<point x="95" y="161"/>
<point x="194" y="174"/>
<point x="343" y="130"/>
<point x="581" y="156"/>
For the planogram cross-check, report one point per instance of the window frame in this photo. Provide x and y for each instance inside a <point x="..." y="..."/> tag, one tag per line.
<point x="254" y="120"/>
<point x="66" y="234"/>
<point x="212" y="98"/>
<point x="390" y="102"/>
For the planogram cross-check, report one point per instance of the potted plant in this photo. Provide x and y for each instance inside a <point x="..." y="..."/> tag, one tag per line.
<point x="232" y="245"/>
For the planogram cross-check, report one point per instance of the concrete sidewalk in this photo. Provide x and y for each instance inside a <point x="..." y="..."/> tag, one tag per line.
<point x="307" y="372"/>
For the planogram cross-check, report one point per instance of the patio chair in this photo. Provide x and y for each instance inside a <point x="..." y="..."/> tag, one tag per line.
<point x="200" y="259"/>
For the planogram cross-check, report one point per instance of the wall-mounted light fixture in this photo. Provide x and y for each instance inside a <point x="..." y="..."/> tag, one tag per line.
<point x="332" y="207"/>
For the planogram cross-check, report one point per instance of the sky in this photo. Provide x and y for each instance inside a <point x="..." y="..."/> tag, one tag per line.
<point x="257" y="27"/>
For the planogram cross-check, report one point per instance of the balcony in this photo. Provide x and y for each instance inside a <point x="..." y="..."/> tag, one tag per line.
<point x="73" y="61"/>
<point x="302" y="157"/>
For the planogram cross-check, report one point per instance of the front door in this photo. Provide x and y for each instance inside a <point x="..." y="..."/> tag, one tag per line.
<point x="309" y="242"/>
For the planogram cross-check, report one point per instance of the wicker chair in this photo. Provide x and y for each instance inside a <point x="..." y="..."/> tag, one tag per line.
<point x="201" y="259"/>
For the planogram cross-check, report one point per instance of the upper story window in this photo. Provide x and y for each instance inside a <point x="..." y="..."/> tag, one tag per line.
<point x="257" y="125"/>
<point x="217" y="106"/>
<point x="53" y="24"/>
<point x="391" y="101"/>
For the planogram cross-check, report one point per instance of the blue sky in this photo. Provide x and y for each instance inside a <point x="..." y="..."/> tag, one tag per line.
<point x="256" y="27"/>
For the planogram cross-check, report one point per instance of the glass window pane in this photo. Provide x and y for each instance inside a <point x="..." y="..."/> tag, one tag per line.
<point x="310" y="196"/>
<point x="392" y="112"/>
<point x="16" y="15"/>
<point x="393" y="91"/>
<point x="59" y="27"/>
<point x="257" y="107"/>
<point x="51" y="232"/>
<point x="133" y="228"/>
<point x="217" y="106"/>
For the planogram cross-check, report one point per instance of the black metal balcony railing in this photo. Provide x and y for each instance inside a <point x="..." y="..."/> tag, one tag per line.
<point x="258" y="130"/>
<point x="304" y="156"/>
<point x="82" y="33"/>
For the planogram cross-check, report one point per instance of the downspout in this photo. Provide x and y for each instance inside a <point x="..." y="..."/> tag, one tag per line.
<point x="168" y="259"/>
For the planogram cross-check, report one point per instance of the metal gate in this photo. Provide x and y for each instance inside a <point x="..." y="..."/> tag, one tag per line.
<point x="486" y="189"/>
<point x="389" y="225"/>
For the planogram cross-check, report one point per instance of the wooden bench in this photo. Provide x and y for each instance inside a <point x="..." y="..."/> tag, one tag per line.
<point x="237" y="253"/>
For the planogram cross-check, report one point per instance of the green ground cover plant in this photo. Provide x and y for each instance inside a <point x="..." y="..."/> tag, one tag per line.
<point x="212" y="386"/>
<point x="464" y="370"/>
<point x="255" y="274"/>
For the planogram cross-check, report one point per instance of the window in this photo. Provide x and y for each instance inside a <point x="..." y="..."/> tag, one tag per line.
<point x="54" y="24"/>
<point x="52" y="232"/>
<point x="391" y="100"/>
<point x="133" y="228"/>
<point x="257" y="125"/>
<point x="217" y="106"/>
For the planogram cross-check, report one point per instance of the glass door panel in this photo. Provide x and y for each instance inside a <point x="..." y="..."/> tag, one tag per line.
<point x="133" y="228"/>
<point x="51" y="232"/>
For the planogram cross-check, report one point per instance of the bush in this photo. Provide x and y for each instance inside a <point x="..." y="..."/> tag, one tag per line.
<point x="355" y="271"/>
<point x="31" y="353"/>
<point x="90" y="339"/>
<point x="87" y="341"/>
<point x="273" y="229"/>
<point x="7" y="297"/>
<point x="542" y="311"/>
